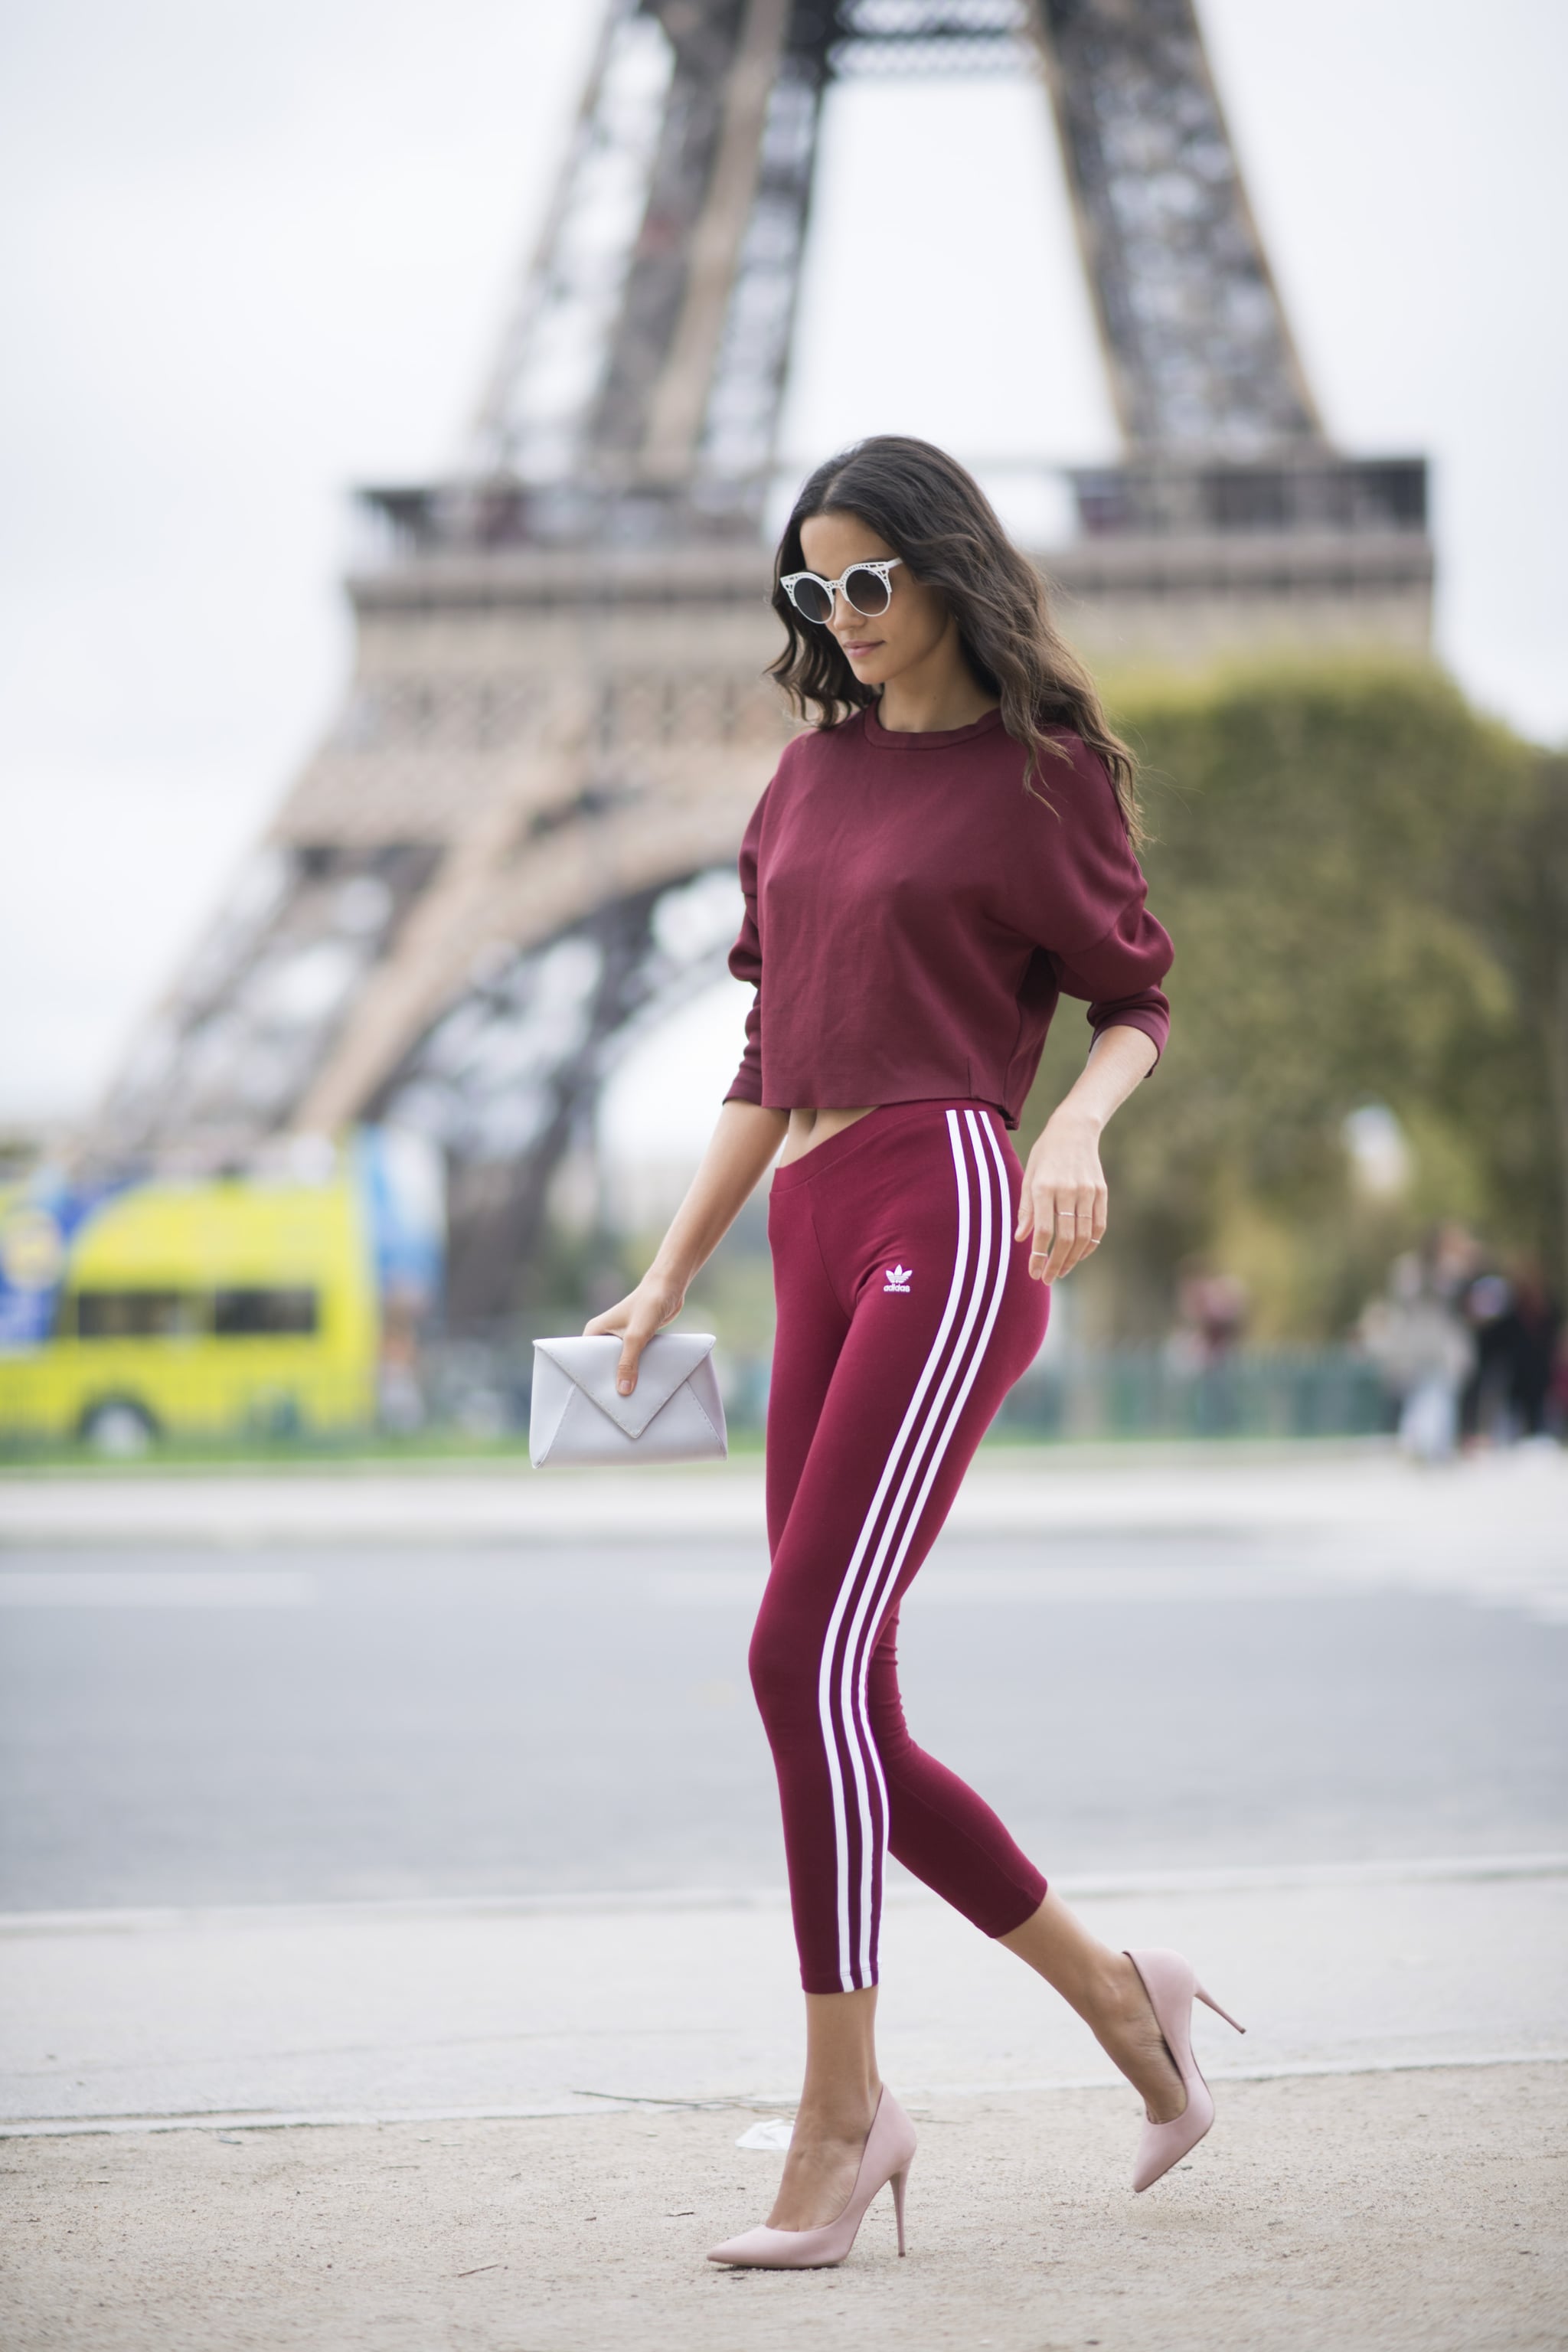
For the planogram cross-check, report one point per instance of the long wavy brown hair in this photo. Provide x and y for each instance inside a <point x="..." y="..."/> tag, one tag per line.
<point x="934" y="514"/>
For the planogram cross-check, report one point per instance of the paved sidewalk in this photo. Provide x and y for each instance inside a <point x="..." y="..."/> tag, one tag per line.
<point x="1420" y="2212"/>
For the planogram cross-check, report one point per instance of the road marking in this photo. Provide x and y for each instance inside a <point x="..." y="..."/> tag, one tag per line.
<point x="156" y="1588"/>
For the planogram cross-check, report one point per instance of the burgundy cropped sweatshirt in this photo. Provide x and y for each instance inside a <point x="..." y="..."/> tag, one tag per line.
<point x="913" y="913"/>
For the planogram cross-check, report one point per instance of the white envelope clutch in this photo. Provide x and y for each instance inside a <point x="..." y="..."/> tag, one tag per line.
<point x="673" y="1414"/>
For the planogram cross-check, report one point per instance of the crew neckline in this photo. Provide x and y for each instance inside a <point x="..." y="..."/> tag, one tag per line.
<point x="937" y="738"/>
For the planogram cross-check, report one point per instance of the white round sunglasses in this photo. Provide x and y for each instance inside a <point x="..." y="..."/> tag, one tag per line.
<point x="866" y="589"/>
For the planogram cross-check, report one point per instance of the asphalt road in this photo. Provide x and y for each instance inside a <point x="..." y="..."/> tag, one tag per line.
<point x="262" y="1725"/>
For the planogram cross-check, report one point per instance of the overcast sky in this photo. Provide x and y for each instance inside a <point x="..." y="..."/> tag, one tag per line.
<point x="255" y="254"/>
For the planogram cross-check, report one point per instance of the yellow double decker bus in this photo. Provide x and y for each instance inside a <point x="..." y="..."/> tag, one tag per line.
<point x="211" y="1308"/>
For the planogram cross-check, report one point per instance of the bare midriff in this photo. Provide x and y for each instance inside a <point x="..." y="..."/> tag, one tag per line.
<point x="807" y="1128"/>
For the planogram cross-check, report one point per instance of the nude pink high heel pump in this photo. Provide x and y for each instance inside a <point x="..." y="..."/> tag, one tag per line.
<point x="1171" y="1986"/>
<point x="890" y="2147"/>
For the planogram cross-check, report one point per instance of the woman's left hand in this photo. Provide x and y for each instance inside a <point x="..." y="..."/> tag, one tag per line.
<point x="1063" y="1201"/>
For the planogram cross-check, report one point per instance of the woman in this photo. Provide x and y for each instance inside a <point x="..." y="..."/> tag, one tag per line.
<point x="948" y="850"/>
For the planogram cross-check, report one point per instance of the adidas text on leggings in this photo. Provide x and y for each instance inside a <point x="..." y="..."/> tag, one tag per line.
<point x="905" y="1314"/>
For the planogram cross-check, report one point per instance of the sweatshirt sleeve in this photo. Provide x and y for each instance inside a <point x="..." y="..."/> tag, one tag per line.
<point x="746" y="963"/>
<point x="1119" y="976"/>
<point x="1105" y="947"/>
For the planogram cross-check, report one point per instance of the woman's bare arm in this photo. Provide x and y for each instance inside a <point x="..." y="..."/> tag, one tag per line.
<point x="1063" y="1202"/>
<point x="743" y="1146"/>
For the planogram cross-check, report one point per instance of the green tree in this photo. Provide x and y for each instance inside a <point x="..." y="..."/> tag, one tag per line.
<point x="1366" y="882"/>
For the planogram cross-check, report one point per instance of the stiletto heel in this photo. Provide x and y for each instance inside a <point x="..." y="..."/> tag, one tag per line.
<point x="887" y="2156"/>
<point x="1171" y="1986"/>
<point x="1209" y="2001"/>
<point x="899" y="2180"/>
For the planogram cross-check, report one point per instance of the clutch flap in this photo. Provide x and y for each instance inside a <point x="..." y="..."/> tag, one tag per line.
<point x="667" y="1361"/>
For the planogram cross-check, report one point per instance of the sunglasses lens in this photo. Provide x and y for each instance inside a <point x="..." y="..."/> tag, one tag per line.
<point x="867" y="589"/>
<point x="810" y="598"/>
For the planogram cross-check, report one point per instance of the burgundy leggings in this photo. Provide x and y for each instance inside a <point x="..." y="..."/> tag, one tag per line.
<point x="905" y="1314"/>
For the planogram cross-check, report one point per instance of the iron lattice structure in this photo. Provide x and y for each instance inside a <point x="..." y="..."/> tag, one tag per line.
<point x="514" y="845"/>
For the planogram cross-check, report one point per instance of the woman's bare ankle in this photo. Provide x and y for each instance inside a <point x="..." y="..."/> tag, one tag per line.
<point x="1120" y="1997"/>
<point x="1124" y="2024"/>
<point x="843" y="2113"/>
<point x="822" y="2164"/>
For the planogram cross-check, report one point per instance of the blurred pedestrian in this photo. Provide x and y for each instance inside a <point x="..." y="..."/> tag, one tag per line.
<point x="1418" y="1338"/>
<point x="1486" y="1303"/>
<point x="1517" y="1324"/>
<point x="1212" y="1308"/>
<point x="1534" y="1343"/>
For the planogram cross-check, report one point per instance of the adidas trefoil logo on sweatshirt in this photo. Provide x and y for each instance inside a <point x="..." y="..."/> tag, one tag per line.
<point x="898" y="1278"/>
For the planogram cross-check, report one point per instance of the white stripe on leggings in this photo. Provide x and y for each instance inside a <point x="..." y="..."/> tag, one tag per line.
<point x="910" y="1519"/>
<point x="825" y="1669"/>
<point x="919" y="1421"/>
<point x="852" y="1712"/>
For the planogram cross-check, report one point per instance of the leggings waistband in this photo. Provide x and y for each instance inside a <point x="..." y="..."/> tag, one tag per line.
<point x="887" y="1120"/>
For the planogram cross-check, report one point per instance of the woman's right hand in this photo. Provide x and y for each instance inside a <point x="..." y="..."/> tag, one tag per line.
<point x="645" y="1310"/>
<point x="743" y="1142"/>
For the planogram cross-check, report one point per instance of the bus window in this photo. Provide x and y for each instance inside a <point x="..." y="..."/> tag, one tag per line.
<point x="137" y="1314"/>
<point x="265" y="1314"/>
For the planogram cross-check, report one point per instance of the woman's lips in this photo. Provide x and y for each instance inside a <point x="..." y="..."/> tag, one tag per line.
<point x="858" y="647"/>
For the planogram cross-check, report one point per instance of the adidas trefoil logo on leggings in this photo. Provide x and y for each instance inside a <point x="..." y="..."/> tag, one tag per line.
<point x="898" y="1278"/>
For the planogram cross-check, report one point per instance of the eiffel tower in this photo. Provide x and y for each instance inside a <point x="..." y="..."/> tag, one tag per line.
<point x="515" y="844"/>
